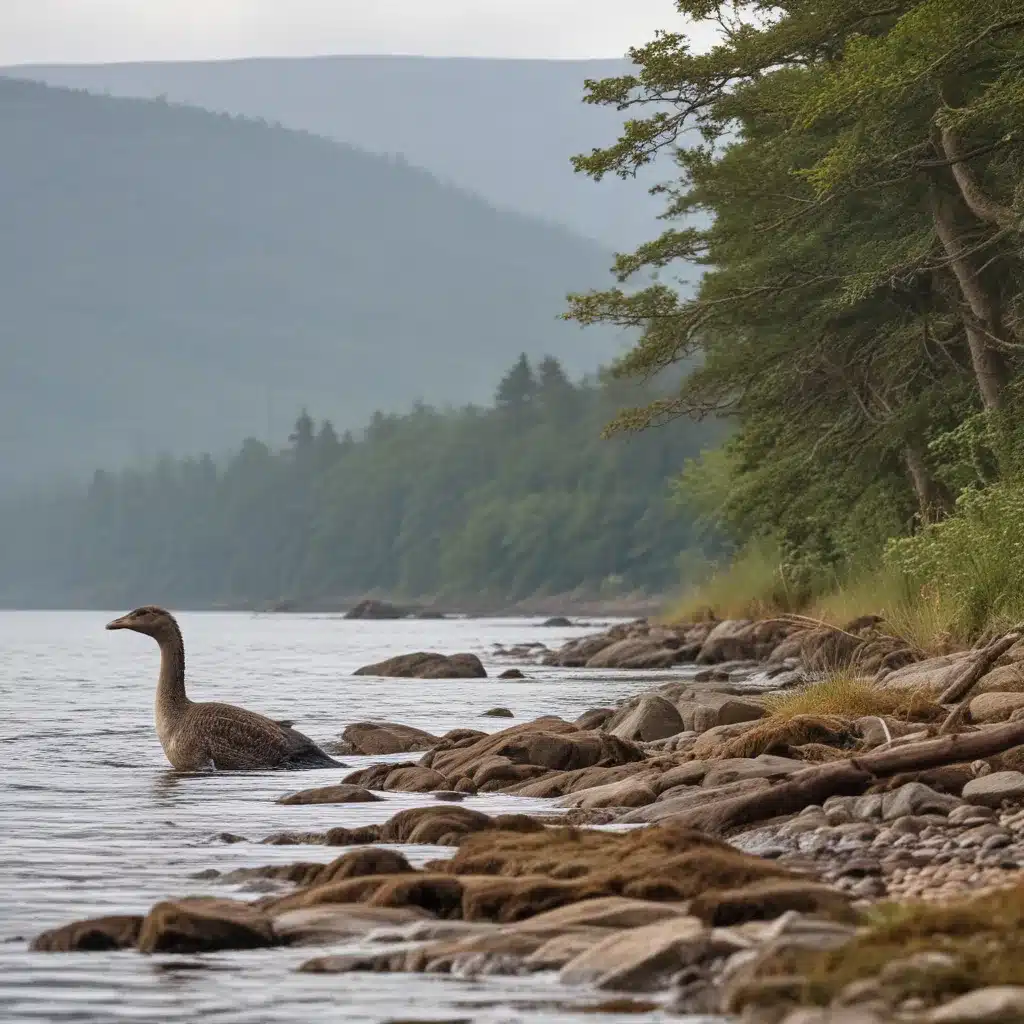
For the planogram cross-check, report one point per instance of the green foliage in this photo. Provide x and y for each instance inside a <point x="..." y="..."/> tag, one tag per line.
<point x="861" y="317"/>
<point x="494" y="504"/>
<point x="975" y="558"/>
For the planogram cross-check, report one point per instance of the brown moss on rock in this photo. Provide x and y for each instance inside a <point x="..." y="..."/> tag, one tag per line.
<point x="776" y="736"/>
<point x="767" y="900"/>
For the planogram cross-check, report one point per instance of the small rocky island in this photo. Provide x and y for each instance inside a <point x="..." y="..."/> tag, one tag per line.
<point x="816" y="826"/>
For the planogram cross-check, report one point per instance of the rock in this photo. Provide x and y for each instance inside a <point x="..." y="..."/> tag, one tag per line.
<point x="730" y="640"/>
<point x="931" y="676"/>
<point x="995" y="707"/>
<point x="557" y="622"/>
<point x="371" y="609"/>
<point x="330" y="795"/>
<point x="373" y="739"/>
<point x="707" y="710"/>
<point x="330" y="923"/>
<point x="96" y="934"/>
<point x="709" y="743"/>
<point x="576" y="653"/>
<point x="427" y="665"/>
<point x="915" y="798"/>
<point x="686" y="800"/>
<point x="498" y="713"/>
<point x="991" y="790"/>
<point x="635" y="653"/>
<point x="198" y="925"/>
<point x="604" y="912"/>
<point x="640" y="959"/>
<point x="593" y="719"/>
<point x="546" y="744"/>
<point x="1000" y="1004"/>
<point x="512" y="673"/>
<point x="1003" y="678"/>
<point x="742" y="769"/>
<point x="627" y="793"/>
<point x="402" y="778"/>
<point x="765" y="901"/>
<point x="647" y="717"/>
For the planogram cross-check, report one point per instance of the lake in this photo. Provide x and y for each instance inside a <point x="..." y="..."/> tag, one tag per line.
<point x="92" y="820"/>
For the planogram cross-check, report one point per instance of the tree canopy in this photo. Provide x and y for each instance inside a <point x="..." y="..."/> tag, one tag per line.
<point x="860" y="317"/>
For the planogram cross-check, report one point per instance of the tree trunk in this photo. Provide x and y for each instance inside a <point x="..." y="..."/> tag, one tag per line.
<point x="984" y="325"/>
<point x="981" y="205"/>
<point x="932" y="497"/>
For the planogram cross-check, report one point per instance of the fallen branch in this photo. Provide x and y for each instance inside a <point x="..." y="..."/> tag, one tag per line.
<point x="962" y="687"/>
<point x="847" y="778"/>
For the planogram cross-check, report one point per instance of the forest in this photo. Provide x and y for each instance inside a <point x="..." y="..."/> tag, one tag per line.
<point x="860" y="318"/>
<point x="479" y="505"/>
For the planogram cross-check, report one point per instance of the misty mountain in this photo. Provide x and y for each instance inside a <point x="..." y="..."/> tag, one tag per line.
<point x="503" y="128"/>
<point x="174" y="280"/>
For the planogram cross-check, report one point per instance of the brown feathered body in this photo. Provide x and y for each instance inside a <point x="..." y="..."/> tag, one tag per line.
<point x="198" y="737"/>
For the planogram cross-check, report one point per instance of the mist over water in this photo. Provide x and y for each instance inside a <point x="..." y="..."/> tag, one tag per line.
<point x="93" y="821"/>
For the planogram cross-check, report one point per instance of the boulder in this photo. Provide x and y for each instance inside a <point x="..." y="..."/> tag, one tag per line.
<point x="401" y="778"/>
<point x="95" y="934"/>
<point x="498" y="713"/>
<point x="995" y="707"/>
<point x="742" y="769"/>
<point x="647" y="717"/>
<point x="931" y="676"/>
<point x="512" y="673"/>
<point x="330" y="795"/>
<point x="998" y="1004"/>
<point x="991" y="790"/>
<point x="708" y="709"/>
<point x="427" y="665"/>
<point x="546" y="743"/>
<point x="731" y="640"/>
<point x="1003" y="679"/>
<point x="593" y="719"/>
<point x="576" y="653"/>
<point x="915" y="799"/>
<point x="603" y="912"/>
<point x="373" y="739"/>
<point x="200" y="925"/>
<point x="315" y="926"/>
<point x="557" y="622"/>
<point x="640" y="959"/>
<point x="768" y="900"/>
<point x="634" y="653"/>
<point x="666" y="808"/>
<point x="627" y="793"/>
<point x="371" y="609"/>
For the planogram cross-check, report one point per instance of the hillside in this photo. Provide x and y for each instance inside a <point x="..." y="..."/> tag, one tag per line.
<point x="173" y="280"/>
<point x="502" y="128"/>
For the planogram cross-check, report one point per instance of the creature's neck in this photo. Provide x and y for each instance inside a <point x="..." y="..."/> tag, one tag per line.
<point x="171" y="699"/>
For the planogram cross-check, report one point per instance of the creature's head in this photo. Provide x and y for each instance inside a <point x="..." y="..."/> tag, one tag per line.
<point x="149" y="619"/>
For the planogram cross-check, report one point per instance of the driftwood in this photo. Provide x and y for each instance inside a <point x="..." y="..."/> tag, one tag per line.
<point x="962" y="686"/>
<point x="847" y="778"/>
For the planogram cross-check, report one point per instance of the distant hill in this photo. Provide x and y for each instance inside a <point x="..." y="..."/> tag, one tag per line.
<point x="503" y="128"/>
<point x="173" y="280"/>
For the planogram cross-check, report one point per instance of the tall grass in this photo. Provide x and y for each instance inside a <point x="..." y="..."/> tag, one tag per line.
<point x="846" y="695"/>
<point x="755" y="584"/>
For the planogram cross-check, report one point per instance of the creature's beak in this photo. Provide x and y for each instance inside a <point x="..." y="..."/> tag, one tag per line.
<point x="118" y="624"/>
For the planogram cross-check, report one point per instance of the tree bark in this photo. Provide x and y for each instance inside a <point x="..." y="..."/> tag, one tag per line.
<point x="932" y="498"/>
<point x="984" y="326"/>
<point x="981" y="205"/>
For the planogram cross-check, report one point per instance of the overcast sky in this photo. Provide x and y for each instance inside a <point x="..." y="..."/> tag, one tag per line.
<point x="88" y="31"/>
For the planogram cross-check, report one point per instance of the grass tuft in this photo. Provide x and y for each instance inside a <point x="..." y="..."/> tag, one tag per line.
<point x="846" y="695"/>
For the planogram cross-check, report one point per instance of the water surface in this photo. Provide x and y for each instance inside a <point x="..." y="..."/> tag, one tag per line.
<point x="92" y="820"/>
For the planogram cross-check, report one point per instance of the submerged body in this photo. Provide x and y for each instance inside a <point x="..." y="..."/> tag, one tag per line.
<point x="197" y="737"/>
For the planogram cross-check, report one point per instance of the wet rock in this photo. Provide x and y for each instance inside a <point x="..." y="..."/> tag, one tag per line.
<point x="427" y="665"/>
<point x="96" y="934"/>
<point x="995" y="707"/>
<point x="371" y="609"/>
<point x="402" y="778"/>
<point x="647" y="717"/>
<point x="335" y="923"/>
<point x="197" y="925"/>
<point x="557" y="622"/>
<point x="641" y="959"/>
<point x="593" y="719"/>
<point x="635" y="653"/>
<point x="991" y="790"/>
<point x="449" y="796"/>
<point x="999" y="1004"/>
<point x="512" y="673"/>
<point x="373" y="739"/>
<point x="498" y="713"/>
<point x="576" y="653"/>
<point x="330" y="795"/>
<point x="915" y="798"/>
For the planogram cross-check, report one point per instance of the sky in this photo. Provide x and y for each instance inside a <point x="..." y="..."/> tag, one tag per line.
<point x="95" y="31"/>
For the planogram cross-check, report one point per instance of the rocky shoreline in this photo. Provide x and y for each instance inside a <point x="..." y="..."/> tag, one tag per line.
<point x="818" y="825"/>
